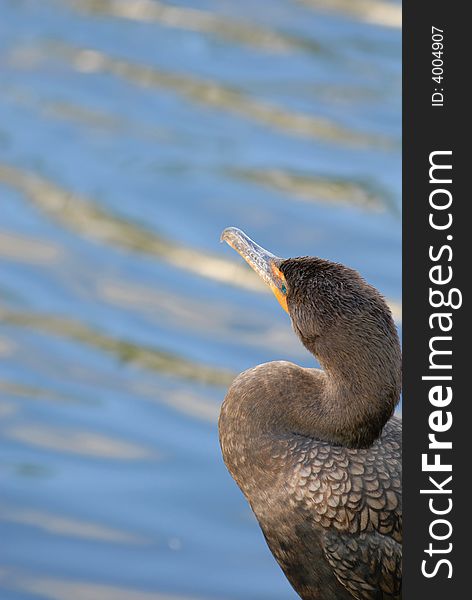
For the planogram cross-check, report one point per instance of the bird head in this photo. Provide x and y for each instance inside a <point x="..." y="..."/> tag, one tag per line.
<point x="337" y="315"/>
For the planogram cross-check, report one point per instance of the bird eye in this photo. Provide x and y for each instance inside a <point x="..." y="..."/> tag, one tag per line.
<point x="283" y="288"/>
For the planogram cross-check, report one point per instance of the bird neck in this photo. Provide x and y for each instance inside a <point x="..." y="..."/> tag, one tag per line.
<point x="347" y="403"/>
<point x="357" y="392"/>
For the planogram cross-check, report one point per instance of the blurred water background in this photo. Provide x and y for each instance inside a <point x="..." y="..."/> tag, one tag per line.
<point x="131" y="133"/>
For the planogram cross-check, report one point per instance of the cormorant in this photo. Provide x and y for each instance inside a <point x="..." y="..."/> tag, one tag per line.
<point x="317" y="453"/>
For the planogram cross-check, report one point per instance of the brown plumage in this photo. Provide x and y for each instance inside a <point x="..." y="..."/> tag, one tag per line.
<point x="317" y="453"/>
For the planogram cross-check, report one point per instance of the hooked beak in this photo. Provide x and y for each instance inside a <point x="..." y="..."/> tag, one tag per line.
<point x="265" y="264"/>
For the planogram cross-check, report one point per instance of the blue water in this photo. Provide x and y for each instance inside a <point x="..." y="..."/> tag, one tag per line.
<point x="131" y="133"/>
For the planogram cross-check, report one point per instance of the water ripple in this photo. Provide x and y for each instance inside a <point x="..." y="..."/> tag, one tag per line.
<point x="199" y="20"/>
<point x="124" y="350"/>
<point x="375" y="12"/>
<point x="314" y="188"/>
<point x="65" y="589"/>
<point x="24" y="249"/>
<point x="81" y="443"/>
<point x="92" y="221"/>
<point x="67" y="526"/>
<point x="208" y="93"/>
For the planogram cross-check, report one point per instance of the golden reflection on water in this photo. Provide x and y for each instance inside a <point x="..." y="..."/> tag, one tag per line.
<point x="206" y="92"/>
<point x="123" y="350"/>
<point x="315" y="188"/>
<point x="182" y="399"/>
<point x="81" y="443"/>
<point x="66" y="589"/>
<point x="215" y="319"/>
<point x="376" y="12"/>
<point x="7" y="347"/>
<point x="185" y="313"/>
<point x="195" y="19"/>
<point x="20" y="390"/>
<point x="92" y="221"/>
<point x="188" y="402"/>
<point x="67" y="526"/>
<point x="25" y="249"/>
<point x="84" y="116"/>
